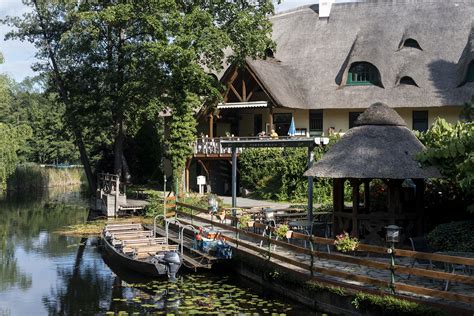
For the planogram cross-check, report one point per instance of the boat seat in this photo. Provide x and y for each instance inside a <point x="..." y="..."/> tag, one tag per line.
<point x="146" y="251"/>
<point x="125" y="227"/>
<point x="136" y="235"/>
<point x="122" y="224"/>
<point x="163" y="247"/>
<point x="144" y="241"/>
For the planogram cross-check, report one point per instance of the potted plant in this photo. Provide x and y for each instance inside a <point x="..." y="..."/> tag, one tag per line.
<point x="281" y="231"/>
<point x="346" y="243"/>
<point x="245" y="221"/>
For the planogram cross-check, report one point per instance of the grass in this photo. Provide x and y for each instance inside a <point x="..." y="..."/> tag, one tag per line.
<point x="94" y="228"/>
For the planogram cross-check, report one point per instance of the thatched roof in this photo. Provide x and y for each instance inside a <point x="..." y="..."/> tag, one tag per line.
<point x="314" y="55"/>
<point x="379" y="147"/>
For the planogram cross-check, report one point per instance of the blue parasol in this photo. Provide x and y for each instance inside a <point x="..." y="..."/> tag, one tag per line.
<point x="292" y="130"/>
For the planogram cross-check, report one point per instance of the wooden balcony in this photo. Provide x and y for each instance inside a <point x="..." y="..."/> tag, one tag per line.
<point x="212" y="147"/>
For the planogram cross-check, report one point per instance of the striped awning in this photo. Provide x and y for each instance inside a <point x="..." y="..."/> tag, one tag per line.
<point x="243" y="105"/>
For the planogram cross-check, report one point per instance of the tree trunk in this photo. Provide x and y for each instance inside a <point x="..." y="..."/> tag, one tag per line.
<point x="126" y="171"/>
<point x="64" y="98"/>
<point x="118" y="151"/>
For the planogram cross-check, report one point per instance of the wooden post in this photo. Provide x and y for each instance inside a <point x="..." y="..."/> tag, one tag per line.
<point x="394" y="205"/>
<point x="310" y="188"/>
<point x="355" y="206"/>
<point x="367" y="194"/>
<point x="419" y="199"/>
<point x="234" y="177"/>
<point x="117" y="195"/>
<point x="188" y="163"/>
<point x="211" y="125"/>
<point x="270" y="118"/>
<point x="338" y="203"/>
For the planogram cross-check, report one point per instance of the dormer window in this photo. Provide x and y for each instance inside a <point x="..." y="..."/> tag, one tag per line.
<point x="408" y="81"/>
<point x="470" y="72"/>
<point x="363" y="73"/>
<point x="412" y="43"/>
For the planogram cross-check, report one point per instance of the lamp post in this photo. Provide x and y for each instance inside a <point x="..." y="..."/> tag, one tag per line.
<point x="392" y="237"/>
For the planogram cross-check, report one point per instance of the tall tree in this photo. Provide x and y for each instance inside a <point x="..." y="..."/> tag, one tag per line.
<point x="115" y="62"/>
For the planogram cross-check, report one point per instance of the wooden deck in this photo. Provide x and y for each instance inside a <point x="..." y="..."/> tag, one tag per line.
<point x="369" y="271"/>
<point x="111" y="198"/>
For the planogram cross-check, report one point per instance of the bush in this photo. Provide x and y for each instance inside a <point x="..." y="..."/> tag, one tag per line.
<point x="277" y="174"/>
<point x="454" y="236"/>
<point x="388" y="305"/>
<point x="450" y="147"/>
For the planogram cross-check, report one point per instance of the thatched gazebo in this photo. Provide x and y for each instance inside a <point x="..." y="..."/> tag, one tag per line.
<point x="380" y="146"/>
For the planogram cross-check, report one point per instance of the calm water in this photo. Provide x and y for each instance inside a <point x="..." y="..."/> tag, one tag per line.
<point x="42" y="272"/>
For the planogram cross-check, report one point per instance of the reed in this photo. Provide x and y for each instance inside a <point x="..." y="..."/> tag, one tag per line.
<point x="30" y="176"/>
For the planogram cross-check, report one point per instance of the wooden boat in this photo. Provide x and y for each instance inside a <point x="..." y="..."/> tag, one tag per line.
<point x="135" y="248"/>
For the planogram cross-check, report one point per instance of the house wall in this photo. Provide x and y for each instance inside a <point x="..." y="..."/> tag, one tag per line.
<point x="337" y="118"/>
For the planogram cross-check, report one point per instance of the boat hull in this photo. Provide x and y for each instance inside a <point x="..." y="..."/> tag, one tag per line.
<point x="142" y="267"/>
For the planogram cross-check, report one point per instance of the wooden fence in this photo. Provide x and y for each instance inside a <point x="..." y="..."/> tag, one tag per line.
<point x="343" y="258"/>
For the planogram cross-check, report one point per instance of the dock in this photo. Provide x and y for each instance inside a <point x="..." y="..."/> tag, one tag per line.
<point x="111" y="198"/>
<point x="368" y="270"/>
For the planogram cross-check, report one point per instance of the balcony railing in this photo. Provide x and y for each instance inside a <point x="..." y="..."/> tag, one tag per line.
<point x="213" y="146"/>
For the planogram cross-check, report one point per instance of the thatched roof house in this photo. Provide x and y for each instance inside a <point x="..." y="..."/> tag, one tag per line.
<point x="379" y="147"/>
<point x="421" y="49"/>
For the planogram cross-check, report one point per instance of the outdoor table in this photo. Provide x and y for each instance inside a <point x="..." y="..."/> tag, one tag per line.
<point x="280" y="217"/>
<point x="290" y="210"/>
<point x="300" y="225"/>
<point x="324" y="220"/>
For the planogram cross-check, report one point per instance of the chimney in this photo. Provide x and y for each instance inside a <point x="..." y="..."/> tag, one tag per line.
<point x="325" y="8"/>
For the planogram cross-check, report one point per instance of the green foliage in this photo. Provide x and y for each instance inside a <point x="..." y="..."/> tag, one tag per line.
<point x="450" y="147"/>
<point x="275" y="173"/>
<point x="12" y="139"/>
<point x="244" y="220"/>
<point x="182" y="134"/>
<point x="155" y="205"/>
<point x="388" y="305"/>
<point x="116" y="64"/>
<point x="454" y="236"/>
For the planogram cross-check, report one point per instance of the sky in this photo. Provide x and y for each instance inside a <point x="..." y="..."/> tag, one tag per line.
<point x="19" y="56"/>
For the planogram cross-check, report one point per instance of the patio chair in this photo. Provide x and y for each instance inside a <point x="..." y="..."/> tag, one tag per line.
<point x="420" y="244"/>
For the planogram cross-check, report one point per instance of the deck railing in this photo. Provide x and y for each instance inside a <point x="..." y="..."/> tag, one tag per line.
<point x="369" y="281"/>
<point x="213" y="146"/>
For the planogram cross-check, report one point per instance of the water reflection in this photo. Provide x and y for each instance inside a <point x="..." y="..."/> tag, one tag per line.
<point x="42" y="272"/>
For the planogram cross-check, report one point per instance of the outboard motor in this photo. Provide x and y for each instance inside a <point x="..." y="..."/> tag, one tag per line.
<point x="173" y="263"/>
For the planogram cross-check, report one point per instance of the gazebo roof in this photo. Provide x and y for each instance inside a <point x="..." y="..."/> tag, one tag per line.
<point x="380" y="146"/>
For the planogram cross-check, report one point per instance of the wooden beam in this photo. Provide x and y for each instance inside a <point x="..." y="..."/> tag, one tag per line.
<point x="236" y="93"/>
<point x="211" y="125"/>
<point x="188" y="163"/>
<point x="270" y="118"/>
<point x="244" y="90"/>
<point x="355" y="206"/>
<point x="367" y="194"/>
<point x="226" y="94"/>
<point x="249" y="96"/>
